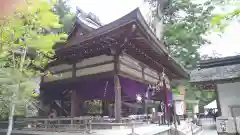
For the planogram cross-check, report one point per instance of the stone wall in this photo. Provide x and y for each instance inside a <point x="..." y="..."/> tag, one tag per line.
<point x="229" y="95"/>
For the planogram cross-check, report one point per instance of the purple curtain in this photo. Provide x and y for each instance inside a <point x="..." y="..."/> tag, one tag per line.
<point x="131" y="88"/>
<point x="103" y="88"/>
<point x="96" y="88"/>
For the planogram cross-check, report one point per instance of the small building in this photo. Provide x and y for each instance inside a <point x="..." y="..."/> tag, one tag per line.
<point x="116" y="63"/>
<point x="221" y="75"/>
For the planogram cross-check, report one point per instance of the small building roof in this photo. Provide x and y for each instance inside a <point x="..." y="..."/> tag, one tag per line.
<point x="225" y="61"/>
<point x="84" y="23"/>
<point x="220" y="69"/>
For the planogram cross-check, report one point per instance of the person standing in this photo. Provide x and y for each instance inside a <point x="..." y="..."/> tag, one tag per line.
<point x="161" y="113"/>
<point x="170" y="113"/>
<point x="52" y="114"/>
<point x="215" y="115"/>
<point x="175" y="114"/>
<point x="205" y="114"/>
<point x="163" y="118"/>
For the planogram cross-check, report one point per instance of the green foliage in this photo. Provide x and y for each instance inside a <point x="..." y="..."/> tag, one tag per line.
<point x="25" y="34"/>
<point x="95" y="106"/>
<point x="13" y="81"/>
<point x="66" y="17"/>
<point x="196" y="93"/>
<point x="185" y="24"/>
<point x="221" y="20"/>
<point x="29" y="29"/>
<point x="175" y="91"/>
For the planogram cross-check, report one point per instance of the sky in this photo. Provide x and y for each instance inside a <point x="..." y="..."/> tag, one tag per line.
<point x="107" y="10"/>
<point x="110" y="10"/>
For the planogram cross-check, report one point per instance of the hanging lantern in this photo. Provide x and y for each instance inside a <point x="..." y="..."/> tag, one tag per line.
<point x="138" y="98"/>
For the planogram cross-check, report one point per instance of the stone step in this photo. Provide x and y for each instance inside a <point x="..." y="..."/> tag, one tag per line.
<point x="187" y="129"/>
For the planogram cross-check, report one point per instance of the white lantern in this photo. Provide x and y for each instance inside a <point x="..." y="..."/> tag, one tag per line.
<point x="179" y="107"/>
<point x="138" y="98"/>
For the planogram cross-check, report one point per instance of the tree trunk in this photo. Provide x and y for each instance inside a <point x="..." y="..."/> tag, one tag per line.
<point x="10" y="119"/>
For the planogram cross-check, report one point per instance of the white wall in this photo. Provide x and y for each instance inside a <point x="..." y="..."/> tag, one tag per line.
<point x="229" y="94"/>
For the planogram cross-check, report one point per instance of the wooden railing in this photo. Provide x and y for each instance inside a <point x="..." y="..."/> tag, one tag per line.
<point x="65" y="124"/>
<point x="57" y="124"/>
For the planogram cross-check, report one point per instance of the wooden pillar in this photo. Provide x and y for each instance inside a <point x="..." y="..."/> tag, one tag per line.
<point x="73" y="94"/>
<point x="41" y="106"/>
<point x="105" y="110"/>
<point x="117" y="87"/>
<point x="60" y="112"/>
<point x="116" y="51"/>
<point x="42" y="109"/>
<point x="45" y="106"/>
<point x="146" y="98"/>
<point x="73" y="103"/>
<point x="118" y="100"/>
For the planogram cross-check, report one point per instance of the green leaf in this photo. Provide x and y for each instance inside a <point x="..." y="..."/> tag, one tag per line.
<point x="185" y="24"/>
<point x="221" y="20"/>
<point x="31" y="27"/>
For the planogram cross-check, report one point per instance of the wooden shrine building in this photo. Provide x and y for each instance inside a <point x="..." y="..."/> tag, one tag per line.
<point x="115" y="63"/>
<point x="221" y="75"/>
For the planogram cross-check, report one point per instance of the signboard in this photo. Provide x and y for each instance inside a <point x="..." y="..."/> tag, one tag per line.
<point x="195" y="108"/>
<point x="226" y="125"/>
<point x="179" y="107"/>
<point x="222" y="125"/>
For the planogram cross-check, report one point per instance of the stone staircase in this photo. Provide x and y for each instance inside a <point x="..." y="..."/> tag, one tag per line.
<point x="188" y="128"/>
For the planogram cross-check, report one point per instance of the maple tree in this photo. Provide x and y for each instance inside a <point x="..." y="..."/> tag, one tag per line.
<point x="25" y="48"/>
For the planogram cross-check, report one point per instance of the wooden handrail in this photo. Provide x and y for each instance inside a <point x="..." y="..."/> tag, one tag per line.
<point x="59" y="118"/>
<point x="84" y="123"/>
<point x="60" y="123"/>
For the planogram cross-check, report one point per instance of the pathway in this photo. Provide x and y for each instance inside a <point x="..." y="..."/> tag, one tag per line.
<point x="209" y="127"/>
<point x="209" y="132"/>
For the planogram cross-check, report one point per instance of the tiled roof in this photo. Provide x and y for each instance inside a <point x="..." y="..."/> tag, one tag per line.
<point x="215" y="73"/>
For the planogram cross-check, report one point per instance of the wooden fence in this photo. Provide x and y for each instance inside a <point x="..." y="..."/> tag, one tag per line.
<point x="76" y="124"/>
